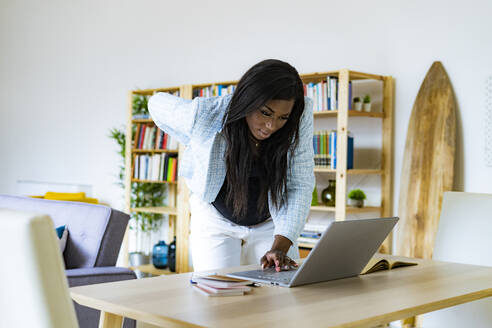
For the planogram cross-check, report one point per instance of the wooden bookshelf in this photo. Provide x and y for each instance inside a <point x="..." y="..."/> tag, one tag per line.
<point x="174" y="187"/>
<point x="179" y="209"/>
<point x="342" y="114"/>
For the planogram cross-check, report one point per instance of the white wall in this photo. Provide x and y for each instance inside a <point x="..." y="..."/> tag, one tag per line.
<point x="458" y="34"/>
<point x="66" y="67"/>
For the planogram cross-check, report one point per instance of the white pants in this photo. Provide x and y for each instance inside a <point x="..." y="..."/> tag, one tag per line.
<point x="218" y="243"/>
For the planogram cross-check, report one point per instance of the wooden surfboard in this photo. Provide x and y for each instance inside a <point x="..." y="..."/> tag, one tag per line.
<point x="428" y="164"/>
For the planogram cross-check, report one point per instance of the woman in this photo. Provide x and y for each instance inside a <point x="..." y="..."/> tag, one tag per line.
<point x="249" y="166"/>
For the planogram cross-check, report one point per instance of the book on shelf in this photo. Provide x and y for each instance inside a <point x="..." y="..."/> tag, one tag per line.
<point x="321" y="149"/>
<point x="156" y="167"/>
<point x="141" y="116"/>
<point x="150" y="137"/>
<point x="378" y="262"/>
<point x="333" y="150"/>
<point x="325" y="94"/>
<point x="315" y="227"/>
<point x="310" y="234"/>
<point x="214" y="90"/>
<point x="307" y="240"/>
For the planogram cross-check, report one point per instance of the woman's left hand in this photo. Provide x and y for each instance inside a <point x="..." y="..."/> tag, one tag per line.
<point x="277" y="255"/>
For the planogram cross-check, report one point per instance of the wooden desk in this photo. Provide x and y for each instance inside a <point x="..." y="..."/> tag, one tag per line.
<point x="363" y="301"/>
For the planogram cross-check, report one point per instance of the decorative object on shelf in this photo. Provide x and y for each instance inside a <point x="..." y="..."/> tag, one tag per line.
<point x="328" y="194"/>
<point x="314" y="201"/>
<point x="356" y="198"/>
<point x="357" y="104"/>
<point x="143" y="195"/>
<point x="139" y="105"/>
<point x="171" y="255"/>
<point x="367" y="103"/>
<point x="159" y="255"/>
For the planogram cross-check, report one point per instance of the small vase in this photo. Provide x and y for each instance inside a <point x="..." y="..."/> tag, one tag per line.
<point x="159" y="255"/>
<point x="358" y="106"/>
<point x="356" y="202"/>
<point x="328" y="194"/>
<point x="367" y="107"/>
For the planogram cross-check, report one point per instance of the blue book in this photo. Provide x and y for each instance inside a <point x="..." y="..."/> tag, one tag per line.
<point x="350" y="152"/>
<point x="350" y="95"/>
<point x="333" y="151"/>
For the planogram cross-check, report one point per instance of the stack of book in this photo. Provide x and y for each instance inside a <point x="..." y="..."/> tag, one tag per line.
<point x="218" y="285"/>
<point x="311" y="234"/>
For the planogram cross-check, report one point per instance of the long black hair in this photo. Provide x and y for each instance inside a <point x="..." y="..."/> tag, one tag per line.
<point x="268" y="80"/>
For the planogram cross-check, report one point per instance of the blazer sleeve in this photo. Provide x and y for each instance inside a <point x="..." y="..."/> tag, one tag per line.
<point x="290" y="219"/>
<point x="174" y="115"/>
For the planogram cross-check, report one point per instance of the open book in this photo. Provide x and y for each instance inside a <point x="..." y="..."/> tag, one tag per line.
<point x="379" y="262"/>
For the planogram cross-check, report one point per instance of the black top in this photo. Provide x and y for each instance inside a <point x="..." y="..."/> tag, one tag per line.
<point x="252" y="215"/>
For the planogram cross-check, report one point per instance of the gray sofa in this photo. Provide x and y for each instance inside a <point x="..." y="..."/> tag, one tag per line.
<point x="95" y="233"/>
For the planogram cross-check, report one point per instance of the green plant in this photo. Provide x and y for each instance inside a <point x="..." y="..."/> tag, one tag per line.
<point x="357" y="194"/>
<point x="139" y="105"/>
<point x="356" y="99"/>
<point x="367" y="99"/>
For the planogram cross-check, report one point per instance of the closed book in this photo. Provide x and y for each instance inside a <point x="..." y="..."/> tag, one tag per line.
<point x="310" y="234"/>
<point x="137" y="133"/>
<point x="164" y="143"/>
<point x="135" y="166"/>
<point x="161" y="168"/>
<point x="205" y="292"/>
<point x="350" y="152"/>
<point x="170" y="169"/>
<point x="166" y="165"/>
<point x="156" y="161"/>
<point x="307" y="240"/>
<point x="228" y="290"/>
<point x="175" y="169"/>
<point x="141" y="136"/>
<point x="220" y="281"/>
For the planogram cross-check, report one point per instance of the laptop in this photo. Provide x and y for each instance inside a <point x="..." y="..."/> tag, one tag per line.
<point x="342" y="251"/>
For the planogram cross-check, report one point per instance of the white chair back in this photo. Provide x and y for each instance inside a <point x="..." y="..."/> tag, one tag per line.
<point x="464" y="235"/>
<point x="33" y="286"/>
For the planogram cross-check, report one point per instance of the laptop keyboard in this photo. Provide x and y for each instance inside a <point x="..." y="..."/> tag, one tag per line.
<point x="269" y="274"/>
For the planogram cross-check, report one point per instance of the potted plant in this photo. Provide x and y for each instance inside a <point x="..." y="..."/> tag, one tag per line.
<point x="356" y="198"/>
<point x="367" y="103"/>
<point x="139" y="107"/>
<point x="357" y="104"/>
